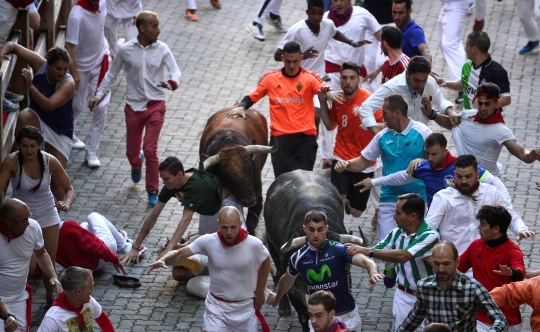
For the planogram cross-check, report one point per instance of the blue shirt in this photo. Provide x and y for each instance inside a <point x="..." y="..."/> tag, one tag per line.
<point x="412" y="35"/>
<point x="326" y="268"/>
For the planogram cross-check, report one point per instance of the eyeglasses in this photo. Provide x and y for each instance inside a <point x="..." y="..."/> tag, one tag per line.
<point x="25" y="222"/>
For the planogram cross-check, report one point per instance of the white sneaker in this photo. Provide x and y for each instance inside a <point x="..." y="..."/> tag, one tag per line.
<point x="77" y="143"/>
<point x="256" y="31"/>
<point x="92" y="160"/>
<point x="277" y="24"/>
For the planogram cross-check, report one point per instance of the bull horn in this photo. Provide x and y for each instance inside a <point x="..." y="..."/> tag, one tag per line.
<point x="211" y="161"/>
<point x="252" y="149"/>
<point x="294" y="244"/>
<point x="346" y="238"/>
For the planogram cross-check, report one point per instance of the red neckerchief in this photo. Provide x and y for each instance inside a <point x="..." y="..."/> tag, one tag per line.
<point x="241" y="236"/>
<point x="5" y="233"/>
<point x="86" y="5"/>
<point x="448" y="160"/>
<point x="454" y="185"/>
<point x="338" y="19"/>
<point x="495" y="118"/>
<point x="64" y="303"/>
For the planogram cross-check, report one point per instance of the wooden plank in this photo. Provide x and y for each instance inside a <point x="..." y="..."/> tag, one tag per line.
<point x="41" y="44"/>
<point x="8" y="64"/>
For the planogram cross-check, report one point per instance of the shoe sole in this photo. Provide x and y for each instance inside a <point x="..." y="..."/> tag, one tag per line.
<point x="258" y="38"/>
<point x="190" y="264"/>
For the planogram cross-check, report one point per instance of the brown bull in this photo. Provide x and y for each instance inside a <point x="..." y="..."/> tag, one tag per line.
<point x="235" y="149"/>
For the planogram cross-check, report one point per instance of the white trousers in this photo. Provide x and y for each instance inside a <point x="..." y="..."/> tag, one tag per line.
<point x="17" y="306"/>
<point x="268" y="6"/>
<point x="450" y="22"/>
<point x="89" y="81"/>
<point x="525" y="9"/>
<point x="328" y="137"/>
<point x="480" y="7"/>
<point x="385" y="219"/>
<point x="403" y="304"/>
<point x="111" y="25"/>
<point x="229" y="317"/>
<point x="8" y="16"/>
<point x="106" y="232"/>
<point x="483" y="327"/>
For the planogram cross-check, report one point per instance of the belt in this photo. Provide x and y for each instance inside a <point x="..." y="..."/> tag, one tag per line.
<point x="406" y="290"/>
<point x="260" y="317"/>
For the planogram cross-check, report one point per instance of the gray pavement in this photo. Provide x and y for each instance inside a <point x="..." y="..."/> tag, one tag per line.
<point x="220" y="63"/>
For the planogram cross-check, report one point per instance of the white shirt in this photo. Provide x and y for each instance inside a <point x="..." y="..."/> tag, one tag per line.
<point x="145" y="69"/>
<point x="484" y="141"/>
<point x="454" y="214"/>
<point x="399" y="85"/>
<point x="302" y="34"/>
<point x="57" y="319"/>
<point x="233" y="270"/>
<point x="85" y="31"/>
<point x="124" y="8"/>
<point x="15" y="259"/>
<point x="361" y="21"/>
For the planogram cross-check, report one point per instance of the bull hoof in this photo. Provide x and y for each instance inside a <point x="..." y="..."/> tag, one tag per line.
<point x="285" y="312"/>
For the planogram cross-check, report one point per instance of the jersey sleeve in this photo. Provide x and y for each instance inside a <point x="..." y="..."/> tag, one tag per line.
<point x="387" y="243"/>
<point x="72" y="31"/>
<point x="199" y="246"/>
<point x="261" y="89"/>
<point x="501" y="79"/>
<point x="372" y="151"/>
<point x="424" y="246"/>
<point x="417" y="37"/>
<point x="263" y="252"/>
<point x="293" y="271"/>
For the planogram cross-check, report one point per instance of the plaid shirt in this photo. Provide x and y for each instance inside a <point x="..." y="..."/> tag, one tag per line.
<point x="455" y="306"/>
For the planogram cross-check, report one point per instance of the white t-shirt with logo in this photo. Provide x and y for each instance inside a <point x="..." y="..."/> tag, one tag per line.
<point x="58" y="319"/>
<point x="85" y="30"/>
<point x="302" y="34"/>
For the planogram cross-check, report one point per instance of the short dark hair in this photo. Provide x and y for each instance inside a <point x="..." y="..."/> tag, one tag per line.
<point x="418" y="64"/>
<point x="172" y="165"/>
<point x="490" y="89"/>
<point x="292" y="47"/>
<point x="316" y="216"/>
<point x="326" y="298"/>
<point x="75" y="277"/>
<point x="408" y="3"/>
<point x="56" y="54"/>
<point x="480" y="40"/>
<point x="350" y="65"/>
<point x="315" y="3"/>
<point x="392" y="36"/>
<point x="452" y="246"/>
<point x="396" y="102"/>
<point x="414" y="203"/>
<point x="435" y="138"/>
<point x="495" y="215"/>
<point x="466" y="160"/>
<point x="437" y="327"/>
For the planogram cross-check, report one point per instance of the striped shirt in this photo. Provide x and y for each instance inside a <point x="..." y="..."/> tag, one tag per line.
<point x="390" y="70"/>
<point x="420" y="244"/>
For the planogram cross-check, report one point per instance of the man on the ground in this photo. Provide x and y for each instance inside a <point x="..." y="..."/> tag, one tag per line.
<point x="144" y="60"/>
<point x="414" y="40"/>
<point x="239" y="265"/>
<point x="337" y="261"/>
<point x="322" y="309"/>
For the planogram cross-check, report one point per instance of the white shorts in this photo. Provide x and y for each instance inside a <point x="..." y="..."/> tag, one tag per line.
<point x="17" y="306"/>
<point x="229" y="317"/>
<point x="61" y="143"/>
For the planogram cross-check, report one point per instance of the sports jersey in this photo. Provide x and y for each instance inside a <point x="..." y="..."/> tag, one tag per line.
<point x="326" y="268"/>
<point x="420" y="244"/>
<point x="351" y="138"/>
<point x="397" y="151"/>
<point x="302" y="34"/>
<point x="202" y="193"/>
<point x="412" y="35"/>
<point x="291" y="101"/>
<point x="488" y="71"/>
<point x="391" y="70"/>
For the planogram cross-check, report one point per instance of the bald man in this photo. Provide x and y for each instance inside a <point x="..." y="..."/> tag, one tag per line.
<point x="239" y="265"/>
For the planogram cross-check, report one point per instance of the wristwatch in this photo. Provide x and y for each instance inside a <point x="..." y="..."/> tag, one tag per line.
<point x="10" y="315"/>
<point x="371" y="252"/>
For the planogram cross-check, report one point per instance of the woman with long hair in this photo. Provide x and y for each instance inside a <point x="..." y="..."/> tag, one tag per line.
<point x="31" y="172"/>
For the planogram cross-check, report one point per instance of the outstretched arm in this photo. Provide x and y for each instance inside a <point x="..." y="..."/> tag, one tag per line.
<point x="285" y="283"/>
<point x="171" y="258"/>
<point x="372" y="268"/>
<point x="521" y="153"/>
<point x="262" y="276"/>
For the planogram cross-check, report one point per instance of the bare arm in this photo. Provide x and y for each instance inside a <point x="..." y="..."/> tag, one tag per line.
<point x="424" y="49"/>
<point x="62" y="95"/>
<point x="171" y="258"/>
<point x="58" y="173"/>
<point x="354" y="165"/>
<point x="33" y="59"/>
<point x="278" y="55"/>
<point x="44" y="261"/>
<point x="505" y="101"/>
<point x="180" y="229"/>
<point x="324" y="112"/>
<point x="521" y="153"/>
<point x="70" y="48"/>
<point x="285" y="283"/>
<point x="10" y="324"/>
<point x="372" y="268"/>
<point x="262" y="276"/>
<point x="387" y="255"/>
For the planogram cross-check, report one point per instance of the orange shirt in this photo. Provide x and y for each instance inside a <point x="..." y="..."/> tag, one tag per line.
<point x="291" y="101"/>
<point x="351" y="138"/>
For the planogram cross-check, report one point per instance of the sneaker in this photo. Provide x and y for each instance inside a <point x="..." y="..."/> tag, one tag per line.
<point x="326" y="163"/>
<point x="470" y="10"/>
<point x="277" y="24"/>
<point x="136" y="173"/>
<point x="142" y="250"/>
<point x="92" y="160"/>
<point x="525" y="50"/>
<point x="347" y="207"/>
<point x="152" y="198"/>
<point x="189" y="263"/>
<point x="191" y="15"/>
<point x="390" y="276"/>
<point x="459" y="99"/>
<point x="125" y="235"/>
<point x="13" y="96"/>
<point x="216" y="4"/>
<point x="77" y="143"/>
<point x="478" y="26"/>
<point x="50" y="300"/>
<point x="9" y="106"/>
<point x="256" y="31"/>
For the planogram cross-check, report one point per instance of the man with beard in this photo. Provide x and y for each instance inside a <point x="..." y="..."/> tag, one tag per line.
<point x="437" y="171"/>
<point x="453" y="210"/>
<point x="322" y="309"/>
<point x="414" y="40"/>
<point x="451" y="297"/>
